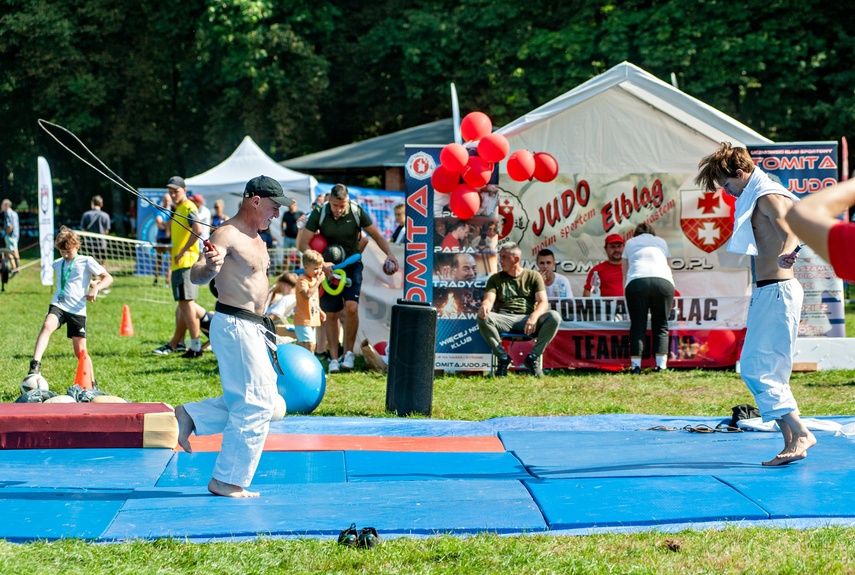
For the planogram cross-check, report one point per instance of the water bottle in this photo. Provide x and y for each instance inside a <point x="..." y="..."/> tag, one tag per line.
<point x="595" y="284"/>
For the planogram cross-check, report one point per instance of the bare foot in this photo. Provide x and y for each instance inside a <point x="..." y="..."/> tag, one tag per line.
<point x="217" y="487"/>
<point x="795" y="451"/>
<point x="185" y="428"/>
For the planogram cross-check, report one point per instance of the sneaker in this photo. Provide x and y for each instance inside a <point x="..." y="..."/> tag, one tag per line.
<point x="502" y="364"/>
<point x="368" y="538"/>
<point x="35" y="367"/>
<point x="658" y="369"/>
<point x="635" y="370"/>
<point x="334" y="366"/>
<point x="532" y="363"/>
<point x="192" y="354"/>
<point x="348" y="360"/>
<point x="164" y="350"/>
<point x="168" y="349"/>
<point x="14" y="272"/>
<point x="349" y="537"/>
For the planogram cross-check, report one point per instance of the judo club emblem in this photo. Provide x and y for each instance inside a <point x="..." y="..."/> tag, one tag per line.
<point x="706" y="218"/>
<point x="420" y="166"/>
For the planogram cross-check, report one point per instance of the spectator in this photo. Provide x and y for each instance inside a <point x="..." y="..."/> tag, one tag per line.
<point x="308" y="314"/>
<point x="609" y="271"/>
<point x="290" y="228"/>
<point x="341" y="222"/>
<point x="400" y="232"/>
<point x="557" y="286"/>
<point x="185" y="230"/>
<point x="281" y="297"/>
<point x="74" y="288"/>
<point x="96" y="221"/>
<point x="12" y="231"/>
<point x="163" y="240"/>
<point x="204" y="213"/>
<point x="515" y="301"/>
<point x="649" y="289"/>
<point x="219" y="213"/>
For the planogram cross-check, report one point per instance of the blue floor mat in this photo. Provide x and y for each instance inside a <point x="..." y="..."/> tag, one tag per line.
<point x="649" y="501"/>
<point x="565" y="454"/>
<point x="406" y="507"/>
<point x="416" y="466"/>
<point x="31" y="514"/>
<point x="83" y="468"/>
<point x="275" y="467"/>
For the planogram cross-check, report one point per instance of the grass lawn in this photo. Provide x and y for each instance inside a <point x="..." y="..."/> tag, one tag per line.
<point x="124" y="366"/>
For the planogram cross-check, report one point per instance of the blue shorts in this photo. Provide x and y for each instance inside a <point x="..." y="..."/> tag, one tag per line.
<point x="305" y="333"/>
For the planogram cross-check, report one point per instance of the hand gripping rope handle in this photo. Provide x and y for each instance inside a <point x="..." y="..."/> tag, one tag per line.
<point x="111" y="175"/>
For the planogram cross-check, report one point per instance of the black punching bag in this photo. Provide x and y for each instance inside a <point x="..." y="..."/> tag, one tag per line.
<point x="412" y="354"/>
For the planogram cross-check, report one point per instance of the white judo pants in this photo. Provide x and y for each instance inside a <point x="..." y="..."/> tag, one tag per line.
<point x="767" y="355"/>
<point x="242" y="414"/>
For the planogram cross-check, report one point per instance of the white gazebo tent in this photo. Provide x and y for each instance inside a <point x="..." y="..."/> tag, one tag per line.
<point x="227" y="180"/>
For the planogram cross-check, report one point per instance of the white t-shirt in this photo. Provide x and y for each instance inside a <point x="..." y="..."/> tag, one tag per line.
<point x="205" y="218"/>
<point x="648" y="258"/>
<point x="283" y="307"/>
<point x="560" y="288"/>
<point x="78" y="272"/>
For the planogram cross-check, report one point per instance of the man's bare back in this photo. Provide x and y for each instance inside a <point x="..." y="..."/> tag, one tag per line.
<point x="766" y="222"/>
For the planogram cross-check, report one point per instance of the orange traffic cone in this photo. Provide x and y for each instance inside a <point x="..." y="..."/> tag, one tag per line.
<point x="85" y="376"/>
<point x="127" y="327"/>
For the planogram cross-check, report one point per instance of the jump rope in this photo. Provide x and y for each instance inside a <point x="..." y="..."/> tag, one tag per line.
<point x="105" y="171"/>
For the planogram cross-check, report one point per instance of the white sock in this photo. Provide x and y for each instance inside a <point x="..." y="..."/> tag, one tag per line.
<point x="662" y="361"/>
<point x="196" y="344"/>
<point x="635" y="361"/>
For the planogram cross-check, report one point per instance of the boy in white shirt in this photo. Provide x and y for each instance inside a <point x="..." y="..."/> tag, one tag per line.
<point x="74" y="277"/>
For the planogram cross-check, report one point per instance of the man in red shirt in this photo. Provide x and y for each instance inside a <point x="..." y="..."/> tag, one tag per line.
<point x="611" y="275"/>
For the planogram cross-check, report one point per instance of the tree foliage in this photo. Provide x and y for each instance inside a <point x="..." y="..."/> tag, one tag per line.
<point x="172" y="87"/>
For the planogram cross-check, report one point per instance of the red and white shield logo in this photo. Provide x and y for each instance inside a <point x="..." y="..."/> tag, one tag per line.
<point x="706" y="218"/>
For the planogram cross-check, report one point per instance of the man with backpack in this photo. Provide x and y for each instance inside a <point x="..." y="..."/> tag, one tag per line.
<point x="341" y="222"/>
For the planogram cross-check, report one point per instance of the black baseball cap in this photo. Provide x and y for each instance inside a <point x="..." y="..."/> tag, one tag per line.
<point x="267" y="187"/>
<point x="176" y="182"/>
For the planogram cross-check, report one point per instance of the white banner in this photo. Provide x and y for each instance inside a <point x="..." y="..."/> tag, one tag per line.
<point x="46" y="222"/>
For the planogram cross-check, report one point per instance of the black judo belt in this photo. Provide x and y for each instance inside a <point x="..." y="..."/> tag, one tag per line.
<point x="269" y="328"/>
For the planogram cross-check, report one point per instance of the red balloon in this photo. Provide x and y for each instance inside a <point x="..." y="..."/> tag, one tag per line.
<point x="454" y="157"/>
<point x="444" y="180"/>
<point x="521" y="166"/>
<point x="722" y="345"/>
<point x="493" y="147"/>
<point x="318" y="243"/>
<point x="380" y="347"/>
<point x="477" y="172"/>
<point x="475" y="125"/>
<point x="545" y="167"/>
<point x="465" y="201"/>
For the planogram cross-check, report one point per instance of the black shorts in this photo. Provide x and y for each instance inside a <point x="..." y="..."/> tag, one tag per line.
<point x="76" y="324"/>
<point x="335" y="303"/>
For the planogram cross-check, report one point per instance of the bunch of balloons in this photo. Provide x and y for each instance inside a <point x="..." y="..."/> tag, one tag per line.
<point x="474" y="166"/>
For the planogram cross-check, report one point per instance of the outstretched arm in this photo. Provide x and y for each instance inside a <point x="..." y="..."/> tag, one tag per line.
<point x="814" y="216"/>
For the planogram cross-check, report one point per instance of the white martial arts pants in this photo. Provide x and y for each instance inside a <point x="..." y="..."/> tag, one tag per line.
<point x="242" y="414"/>
<point x="767" y="355"/>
